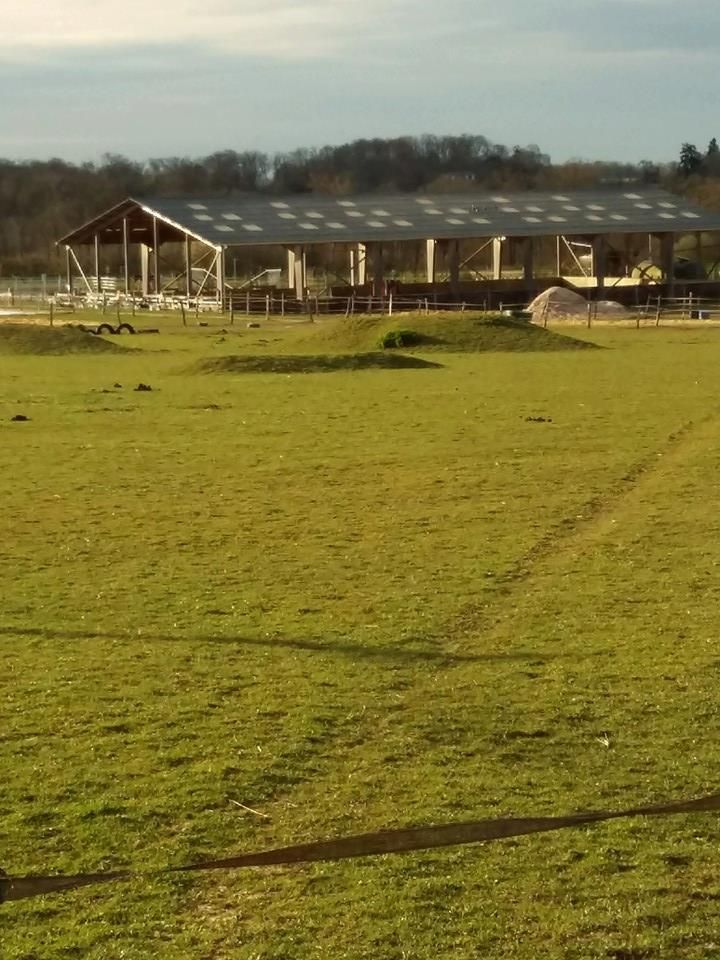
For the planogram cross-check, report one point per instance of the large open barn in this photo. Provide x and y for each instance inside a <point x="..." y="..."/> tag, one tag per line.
<point x="481" y="249"/>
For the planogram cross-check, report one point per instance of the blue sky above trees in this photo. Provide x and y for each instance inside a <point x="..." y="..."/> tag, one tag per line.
<point x="618" y="79"/>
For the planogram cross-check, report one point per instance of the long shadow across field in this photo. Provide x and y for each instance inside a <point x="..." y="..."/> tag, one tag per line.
<point x="310" y="645"/>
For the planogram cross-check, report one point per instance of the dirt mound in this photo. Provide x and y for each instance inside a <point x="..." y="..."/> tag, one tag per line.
<point x="18" y="338"/>
<point x="312" y="364"/>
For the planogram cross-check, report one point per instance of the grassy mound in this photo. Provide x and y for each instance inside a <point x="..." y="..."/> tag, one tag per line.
<point x="405" y="338"/>
<point x="449" y="332"/>
<point x="312" y="364"/>
<point x="18" y="338"/>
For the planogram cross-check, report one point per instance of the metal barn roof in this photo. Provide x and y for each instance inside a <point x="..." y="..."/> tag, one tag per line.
<point x="250" y="220"/>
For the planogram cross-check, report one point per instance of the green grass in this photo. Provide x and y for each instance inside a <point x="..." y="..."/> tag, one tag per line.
<point x="365" y="600"/>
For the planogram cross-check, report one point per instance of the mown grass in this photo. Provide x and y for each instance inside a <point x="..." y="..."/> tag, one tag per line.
<point x="352" y="602"/>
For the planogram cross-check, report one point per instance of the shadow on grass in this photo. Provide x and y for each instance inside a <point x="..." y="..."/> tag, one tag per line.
<point x="309" y="645"/>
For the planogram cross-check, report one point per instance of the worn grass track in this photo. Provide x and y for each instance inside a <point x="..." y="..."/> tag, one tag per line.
<point x="372" y="599"/>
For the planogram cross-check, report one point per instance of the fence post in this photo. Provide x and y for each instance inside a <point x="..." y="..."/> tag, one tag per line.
<point x="247" y="304"/>
<point x="52" y="317"/>
<point x="657" y="313"/>
<point x="267" y="305"/>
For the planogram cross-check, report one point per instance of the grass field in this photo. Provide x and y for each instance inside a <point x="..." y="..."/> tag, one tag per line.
<point x="353" y="600"/>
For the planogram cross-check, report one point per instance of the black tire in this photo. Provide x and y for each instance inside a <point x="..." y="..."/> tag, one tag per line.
<point x="105" y="328"/>
<point x="125" y="328"/>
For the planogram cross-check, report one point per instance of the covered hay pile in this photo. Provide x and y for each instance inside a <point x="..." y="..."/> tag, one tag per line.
<point x="558" y="303"/>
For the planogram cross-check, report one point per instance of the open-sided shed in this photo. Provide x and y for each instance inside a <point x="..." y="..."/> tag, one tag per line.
<point x="603" y="221"/>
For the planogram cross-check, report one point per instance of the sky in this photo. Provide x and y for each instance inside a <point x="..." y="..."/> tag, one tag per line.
<point x="591" y="79"/>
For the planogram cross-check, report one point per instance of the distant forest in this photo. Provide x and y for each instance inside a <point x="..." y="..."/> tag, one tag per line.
<point x="42" y="200"/>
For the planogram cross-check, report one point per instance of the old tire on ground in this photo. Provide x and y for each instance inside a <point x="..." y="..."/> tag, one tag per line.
<point x="126" y="328"/>
<point x="105" y="328"/>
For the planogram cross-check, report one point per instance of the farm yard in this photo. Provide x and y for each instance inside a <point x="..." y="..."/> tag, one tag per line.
<point x="251" y="606"/>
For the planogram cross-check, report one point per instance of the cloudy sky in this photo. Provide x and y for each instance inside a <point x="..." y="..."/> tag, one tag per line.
<point x="598" y="79"/>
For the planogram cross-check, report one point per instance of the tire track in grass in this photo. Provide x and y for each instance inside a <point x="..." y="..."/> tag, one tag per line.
<point x="476" y="616"/>
<point x="486" y="618"/>
<point x="594" y="522"/>
<point x="353" y="737"/>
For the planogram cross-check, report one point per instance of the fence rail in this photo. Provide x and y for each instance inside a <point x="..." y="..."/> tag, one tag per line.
<point x="53" y="300"/>
<point x="273" y="304"/>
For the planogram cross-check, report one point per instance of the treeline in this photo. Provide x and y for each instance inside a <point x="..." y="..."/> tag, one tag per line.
<point x="42" y="200"/>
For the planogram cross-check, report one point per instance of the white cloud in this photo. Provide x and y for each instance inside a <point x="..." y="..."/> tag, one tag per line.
<point x="282" y="28"/>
